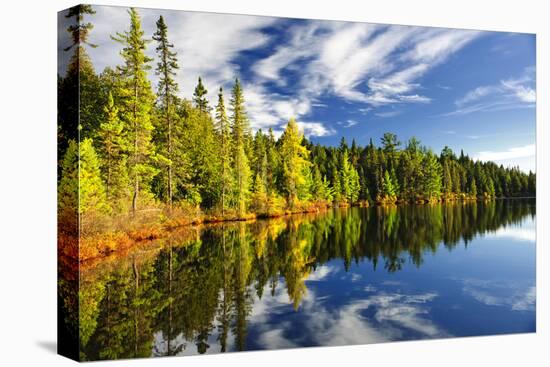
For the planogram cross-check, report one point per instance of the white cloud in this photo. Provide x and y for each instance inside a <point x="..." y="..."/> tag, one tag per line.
<point x="526" y="232"/>
<point x="360" y="62"/>
<point x="510" y="153"/>
<point x="348" y="123"/>
<point x="315" y="129"/>
<point x="476" y="94"/>
<point x="522" y="92"/>
<point x="515" y="296"/>
<point x="207" y="43"/>
<point x="520" y="234"/>
<point x="321" y="273"/>
<point x="508" y="94"/>
<point x="273" y="110"/>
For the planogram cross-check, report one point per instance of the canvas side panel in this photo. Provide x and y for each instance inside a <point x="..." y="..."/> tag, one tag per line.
<point x="67" y="189"/>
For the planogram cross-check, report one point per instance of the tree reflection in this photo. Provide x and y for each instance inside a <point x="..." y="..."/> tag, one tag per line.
<point x="199" y="290"/>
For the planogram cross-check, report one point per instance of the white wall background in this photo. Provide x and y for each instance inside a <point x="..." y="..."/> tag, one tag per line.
<point x="28" y="184"/>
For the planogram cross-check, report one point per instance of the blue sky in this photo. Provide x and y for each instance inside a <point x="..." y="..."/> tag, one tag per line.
<point x="466" y="89"/>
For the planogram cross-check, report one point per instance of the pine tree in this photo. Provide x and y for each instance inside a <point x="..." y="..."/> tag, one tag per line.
<point x="81" y="191"/>
<point x="224" y="134"/>
<point x="473" y="187"/>
<point x="80" y="96"/>
<point x="239" y="129"/>
<point x="199" y="97"/>
<point x="349" y="178"/>
<point x="167" y="99"/>
<point x="137" y="102"/>
<point x="336" y="186"/>
<point x="294" y="157"/>
<point x="431" y="176"/>
<point x="112" y="151"/>
<point x="80" y="31"/>
<point x="389" y="191"/>
<point x="447" y="179"/>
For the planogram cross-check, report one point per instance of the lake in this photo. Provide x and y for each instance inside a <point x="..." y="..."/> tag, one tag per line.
<point x="346" y="276"/>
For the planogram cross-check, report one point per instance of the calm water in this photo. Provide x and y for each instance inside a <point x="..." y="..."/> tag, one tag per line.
<point x="350" y="276"/>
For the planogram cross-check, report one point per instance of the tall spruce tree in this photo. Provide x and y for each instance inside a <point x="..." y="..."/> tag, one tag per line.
<point x="431" y="176"/>
<point x="167" y="98"/>
<point x="240" y="131"/>
<point x="80" y="97"/>
<point x="199" y="97"/>
<point x="137" y="101"/>
<point x="224" y="136"/>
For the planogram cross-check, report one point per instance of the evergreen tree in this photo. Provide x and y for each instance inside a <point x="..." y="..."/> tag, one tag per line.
<point x="431" y="176"/>
<point x="472" y="190"/>
<point x="447" y="179"/>
<point x="224" y="134"/>
<point x="167" y="99"/>
<point x="532" y="184"/>
<point x="294" y="158"/>
<point x="80" y="30"/>
<point x="350" y="179"/>
<point x="81" y="191"/>
<point x="239" y="129"/>
<point x="80" y="98"/>
<point x="137" y="102"/>
<point x="199" y="97"/>
<point x="388" y="188"/>
<point x="112" y="150"/>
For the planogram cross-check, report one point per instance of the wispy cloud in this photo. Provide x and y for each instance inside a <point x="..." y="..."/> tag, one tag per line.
<point x="367" y="63"/>
<point x="515" y="296"/>
<point x="348" y="123"/>
<point x="388" y="114"/>
<point x="508" y="154"/>
<point x="507" y="94"/>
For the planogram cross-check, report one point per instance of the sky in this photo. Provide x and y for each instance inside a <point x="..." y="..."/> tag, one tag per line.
<point x="466" y="89"/>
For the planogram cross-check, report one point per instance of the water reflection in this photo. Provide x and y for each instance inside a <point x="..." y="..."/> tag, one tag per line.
<point x="327" y="279"/>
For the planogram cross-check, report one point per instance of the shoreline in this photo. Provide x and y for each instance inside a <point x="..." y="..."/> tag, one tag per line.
<point x="94" y="248"/>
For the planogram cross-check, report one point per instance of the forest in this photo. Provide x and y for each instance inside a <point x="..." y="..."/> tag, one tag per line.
<point x="129" y="149"/>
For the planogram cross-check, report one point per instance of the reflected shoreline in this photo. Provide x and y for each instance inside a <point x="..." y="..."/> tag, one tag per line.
<point x="191" y="230"/>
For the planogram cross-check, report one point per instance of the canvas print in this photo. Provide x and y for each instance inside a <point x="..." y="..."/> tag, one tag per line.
<point x="234" y="183"/>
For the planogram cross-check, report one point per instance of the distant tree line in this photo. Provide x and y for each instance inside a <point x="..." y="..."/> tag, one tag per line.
<point x="136" y="148"/>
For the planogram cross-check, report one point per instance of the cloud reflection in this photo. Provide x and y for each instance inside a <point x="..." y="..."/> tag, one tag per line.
<point x="378" y="317"/>
<point x="514" y="296"/>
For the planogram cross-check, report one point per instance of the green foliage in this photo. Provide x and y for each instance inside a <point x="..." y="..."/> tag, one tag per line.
<point x="349" y="179"/>
<point x="225" y="149"/>
<point x="295" y="164"/>
<point x="431" y="182"/>
<point x="136" y="104"/>
<point x="166" y="107"/>
<point x="112" y="150"/>
<point x="389" y="189"/>
<point x="81" y="189"/>
<point x="240" y="133"/>
<point x="199" y="97"/>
